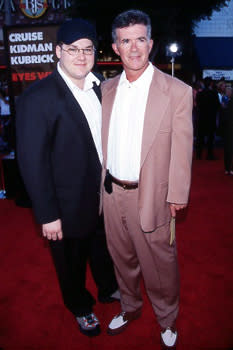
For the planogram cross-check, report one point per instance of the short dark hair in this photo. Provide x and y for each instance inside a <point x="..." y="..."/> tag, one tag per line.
<point x="207" y="81"/>
<point x="129" y="18"/>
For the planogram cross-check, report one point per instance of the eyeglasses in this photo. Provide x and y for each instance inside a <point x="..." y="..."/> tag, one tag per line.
<point x="74" y="51"/>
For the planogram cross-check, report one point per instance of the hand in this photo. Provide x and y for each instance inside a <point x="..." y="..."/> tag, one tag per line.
<point x="53" y="230"/>
<point x="174" y="207"/>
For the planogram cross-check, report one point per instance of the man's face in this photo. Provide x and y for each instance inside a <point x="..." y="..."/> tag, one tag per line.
<point x="222" y="88"/>
<point x="78" y="64"/>
<point x="133" y="46"/>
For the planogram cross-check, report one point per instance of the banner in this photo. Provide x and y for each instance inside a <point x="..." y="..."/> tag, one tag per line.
<point x="31" y="54"/>
<point x="30" y="12"/>
<point x="217" y="74"/>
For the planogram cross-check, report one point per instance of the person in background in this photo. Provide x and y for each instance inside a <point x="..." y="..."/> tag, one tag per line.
<point x="227" y="124"/>
<point x="208" y="106"/>
<point x="6" y="138"/>
<point x="221" y="89"/>
<point x="59" y="152"/>
<point x="197" y="87"/>
<point x="147" y="139"/>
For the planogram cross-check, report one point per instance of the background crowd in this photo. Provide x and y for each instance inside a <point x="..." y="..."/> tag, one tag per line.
<point x="213" y="119"/>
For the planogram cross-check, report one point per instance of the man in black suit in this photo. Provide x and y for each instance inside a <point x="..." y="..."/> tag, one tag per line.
<point x="207" y="106"/>
<point x="59" y="153"/>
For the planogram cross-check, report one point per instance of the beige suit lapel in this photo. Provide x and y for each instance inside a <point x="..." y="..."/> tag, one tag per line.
<point x="156" y="106"/>
<point x="109" y="93"/>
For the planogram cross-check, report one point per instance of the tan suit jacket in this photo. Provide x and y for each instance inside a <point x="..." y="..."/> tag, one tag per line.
<point x="167" y="144"/>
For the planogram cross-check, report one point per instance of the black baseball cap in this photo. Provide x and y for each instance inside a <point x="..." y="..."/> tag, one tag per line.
<point x="76" y="29"/>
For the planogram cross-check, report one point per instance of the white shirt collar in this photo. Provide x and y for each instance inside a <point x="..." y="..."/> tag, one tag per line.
<point x="145" y="77"/>
<point x="88" y="84"/>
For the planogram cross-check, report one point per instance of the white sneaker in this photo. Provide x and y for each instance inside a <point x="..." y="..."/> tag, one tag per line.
<point x="169" y="338"/>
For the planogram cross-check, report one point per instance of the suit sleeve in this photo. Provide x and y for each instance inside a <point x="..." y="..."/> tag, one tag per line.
<point x="181" y="150"/>
<point x="34" y="156"/>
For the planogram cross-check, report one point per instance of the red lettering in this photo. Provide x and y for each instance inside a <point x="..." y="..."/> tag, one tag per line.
<point x="14" y="77"/>
<point x="29" y="76"/>
<point x="21" y="76"/>
<point x="42" y="75"/>
<point x="33" y="76"/>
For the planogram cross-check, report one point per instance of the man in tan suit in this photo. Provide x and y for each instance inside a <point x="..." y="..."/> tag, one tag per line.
<point x="147" y="148"/>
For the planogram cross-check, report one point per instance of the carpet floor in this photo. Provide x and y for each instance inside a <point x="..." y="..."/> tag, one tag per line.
<point x="32" y="315"/>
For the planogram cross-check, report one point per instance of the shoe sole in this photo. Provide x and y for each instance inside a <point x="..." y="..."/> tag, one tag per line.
<point x="92" y="332"/>
<point x="117" y="330"/>
<point x="108" y="300"/>
<point x="121" y="329"/>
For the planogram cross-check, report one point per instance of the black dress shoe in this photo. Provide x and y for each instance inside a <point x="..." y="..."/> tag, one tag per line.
<point x="110" y="298"/>
<point x="107" y="300"/>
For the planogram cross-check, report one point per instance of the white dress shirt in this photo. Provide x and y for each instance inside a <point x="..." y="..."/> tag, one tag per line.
<point x="126" y="126"/>
<point x="89" y="104"/>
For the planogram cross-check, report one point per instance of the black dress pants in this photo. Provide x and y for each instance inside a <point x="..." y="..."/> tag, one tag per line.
<point x="202" y="132"/>
<point x="70" y="256"/>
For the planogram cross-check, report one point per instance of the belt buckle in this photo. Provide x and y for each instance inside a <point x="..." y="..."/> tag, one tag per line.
<point x="124" y="187"/>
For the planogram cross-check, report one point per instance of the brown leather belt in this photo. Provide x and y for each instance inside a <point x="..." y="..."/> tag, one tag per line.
<point x="127" y="185"/>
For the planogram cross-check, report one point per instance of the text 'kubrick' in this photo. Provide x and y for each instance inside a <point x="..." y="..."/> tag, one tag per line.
<point x="32" y="59"/>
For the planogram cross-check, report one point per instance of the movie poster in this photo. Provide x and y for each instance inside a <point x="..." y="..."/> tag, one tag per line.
<point x="31" y="54"/>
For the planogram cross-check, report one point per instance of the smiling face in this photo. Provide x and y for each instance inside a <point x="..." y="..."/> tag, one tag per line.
<point x="76" y="67"/>
<point x="134" y="47"/>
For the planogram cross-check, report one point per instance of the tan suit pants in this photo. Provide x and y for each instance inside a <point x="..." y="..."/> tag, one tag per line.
<point x="137" y="254"/>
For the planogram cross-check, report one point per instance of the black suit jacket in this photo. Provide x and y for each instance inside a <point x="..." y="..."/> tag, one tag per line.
<point x="208" y="105"/>
<point x="57" y="156"/>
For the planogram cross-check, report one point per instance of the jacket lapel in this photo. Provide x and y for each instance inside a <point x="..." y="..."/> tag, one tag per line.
<point x="157" y="103"/>
<point x="107" y="105"/>
<point x="72" y="107"/>
<point x="97" y="90"/>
